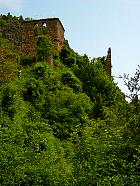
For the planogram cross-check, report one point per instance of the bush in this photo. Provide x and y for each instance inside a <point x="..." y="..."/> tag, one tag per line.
<point x="27" y="60"/>
<point x="45" y="48"/>
<point x="72" y="81"/>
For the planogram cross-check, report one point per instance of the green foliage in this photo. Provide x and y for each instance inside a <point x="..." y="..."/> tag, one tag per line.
<point x="133" y="84"/>
<point x="27" y="60"/>
<point x="69" y="79"/>
<point x="2" y="22"/>
<point x="45" y="48"/>
<point x="40" y="70"/>
<point x="5" y="43"/>
<point x="67" y="124"/>
<point x="8" y="65"/>
<point x="30" y="155"/>
<point x="10" y="27"/>
<point x="36" y="30"/>
<point x="67" y="55"/>
<point x="66" y="111"/>
<point x="133" y="124"/>
<point x="49" y="134"/>
<point x="44" y="30"/>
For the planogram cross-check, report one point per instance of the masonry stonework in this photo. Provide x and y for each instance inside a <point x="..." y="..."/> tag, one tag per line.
<point x="107" y="64"/>
<point x="54" y="29"/>
<point x="23" y="35"/>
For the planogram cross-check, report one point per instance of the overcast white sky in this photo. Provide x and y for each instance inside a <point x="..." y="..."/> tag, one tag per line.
<point x="92" y="26"/>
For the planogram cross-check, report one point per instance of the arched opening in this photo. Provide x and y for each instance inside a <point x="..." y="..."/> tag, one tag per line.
<point x="44" y="24"/>
<point x="44" y="28"/>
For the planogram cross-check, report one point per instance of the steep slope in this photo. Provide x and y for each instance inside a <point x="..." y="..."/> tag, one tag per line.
<point x="67" y="124"/>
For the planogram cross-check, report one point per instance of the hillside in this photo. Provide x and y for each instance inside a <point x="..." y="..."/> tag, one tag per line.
<point x="63" y="124"/>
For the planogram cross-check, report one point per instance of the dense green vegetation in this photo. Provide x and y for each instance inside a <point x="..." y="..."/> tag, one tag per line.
<point x="67" y="124"/>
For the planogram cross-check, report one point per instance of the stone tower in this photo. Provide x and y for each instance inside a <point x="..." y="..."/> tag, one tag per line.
<point x="107" y="63"/>
<point x="53" y="28"/>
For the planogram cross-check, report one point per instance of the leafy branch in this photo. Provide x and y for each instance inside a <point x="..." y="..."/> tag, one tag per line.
<point x="133" y="84"/>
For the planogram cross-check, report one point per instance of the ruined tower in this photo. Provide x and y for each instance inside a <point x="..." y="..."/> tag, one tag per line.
<point x="53" y="27"/>
<point x="107" y="63"/>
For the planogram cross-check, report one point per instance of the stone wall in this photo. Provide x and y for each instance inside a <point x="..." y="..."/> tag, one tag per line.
<point x="54" y="29"/>
<point x="28" y="38"/>
<point x="23" y="35"/>
<point x="107" y="64"/>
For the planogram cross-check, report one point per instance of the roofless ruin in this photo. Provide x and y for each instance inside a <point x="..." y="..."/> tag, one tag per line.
<point x="23" y="35"/>
<point x="51" y="26"/>
<point x="54" y="28"/>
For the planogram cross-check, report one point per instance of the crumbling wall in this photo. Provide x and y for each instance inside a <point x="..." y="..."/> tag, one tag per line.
<point x="54" y="29"/>
<point x="107" y="63"/>
<point x="28" y="38"/>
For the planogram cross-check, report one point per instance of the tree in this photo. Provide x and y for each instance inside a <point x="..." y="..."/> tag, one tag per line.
<point x="45" y="48"/>
<point x="133" y="85"/>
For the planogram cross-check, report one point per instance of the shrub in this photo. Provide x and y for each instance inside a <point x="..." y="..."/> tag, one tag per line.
<point x="45" y="48"/>
<point x="27" y="60"/>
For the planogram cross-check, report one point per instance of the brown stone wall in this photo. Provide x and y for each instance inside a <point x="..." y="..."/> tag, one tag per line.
<point x="54" y="29"/>
<point x="28" y="38"/>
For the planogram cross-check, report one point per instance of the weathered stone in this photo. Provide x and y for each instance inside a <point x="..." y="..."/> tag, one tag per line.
<point x="107" y="64"/>
<point x="23" y="35"/>
<point x="54" y="29"/>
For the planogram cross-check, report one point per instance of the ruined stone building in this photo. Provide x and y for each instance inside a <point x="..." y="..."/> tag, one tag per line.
<point x="52" y="26"/>
<point x="107" y="64"/>
<point x="23" y="35"/>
